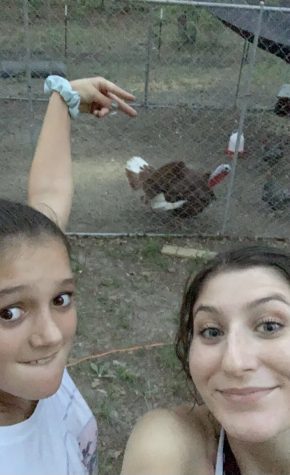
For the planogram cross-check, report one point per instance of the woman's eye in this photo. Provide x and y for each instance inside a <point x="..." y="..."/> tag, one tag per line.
<point x="270" y="327"/>
<point x="211" y="333"/>
<point x="63" y="300"/>
<point x="11" y="314"/>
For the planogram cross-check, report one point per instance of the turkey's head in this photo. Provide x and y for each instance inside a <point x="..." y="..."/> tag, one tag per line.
<point x="219" y="174"/>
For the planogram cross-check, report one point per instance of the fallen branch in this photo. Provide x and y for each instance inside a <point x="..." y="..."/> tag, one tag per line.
<point x="114" y="351"/>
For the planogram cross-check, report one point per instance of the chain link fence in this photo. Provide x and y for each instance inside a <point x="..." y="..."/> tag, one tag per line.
<point x="200" y="71"/>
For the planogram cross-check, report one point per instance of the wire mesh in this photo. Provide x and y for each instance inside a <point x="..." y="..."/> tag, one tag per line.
<point x="198" y="77"/>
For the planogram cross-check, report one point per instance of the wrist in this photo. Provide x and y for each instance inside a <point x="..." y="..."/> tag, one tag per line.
<point x="57" y="84"/>
<point x="78" y="86"/>
<point x="57" y="101"/>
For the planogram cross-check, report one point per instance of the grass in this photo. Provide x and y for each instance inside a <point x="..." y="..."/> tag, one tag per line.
<point x="150" y="252"/>
<point x="102" y="370"/>
<point x="123" y="314"/>
<point x="114" y="370"/>
<point x="125" y="374"/>
<point x="107" y="412"/>
<point x="110" y="282"/>
<point x="77" y="266"/>
<point x="168" y="359"/>
<point x="149" y="393"/>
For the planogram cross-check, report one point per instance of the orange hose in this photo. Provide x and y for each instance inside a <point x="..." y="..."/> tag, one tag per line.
<point x="120" y="350"/>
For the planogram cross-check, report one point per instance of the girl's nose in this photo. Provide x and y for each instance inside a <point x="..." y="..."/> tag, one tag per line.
<point x="45" y="331"/>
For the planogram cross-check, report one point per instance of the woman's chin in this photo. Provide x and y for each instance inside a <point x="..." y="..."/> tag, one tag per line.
<point x="254" y="433"/>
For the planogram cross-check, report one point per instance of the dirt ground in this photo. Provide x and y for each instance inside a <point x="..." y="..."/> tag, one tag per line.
<point x="128" y="295"/>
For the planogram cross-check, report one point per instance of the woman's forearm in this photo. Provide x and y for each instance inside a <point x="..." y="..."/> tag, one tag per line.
<point x="50" y="186"/>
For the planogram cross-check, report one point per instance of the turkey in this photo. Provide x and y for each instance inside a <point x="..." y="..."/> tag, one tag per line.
<point x="175" y="187"/>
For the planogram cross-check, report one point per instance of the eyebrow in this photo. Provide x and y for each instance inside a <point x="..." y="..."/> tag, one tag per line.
<point x="214" y="310"/>
<point x="20" y="288"/>
<point x="206" y="308"/>
<point x="278" y="297"/>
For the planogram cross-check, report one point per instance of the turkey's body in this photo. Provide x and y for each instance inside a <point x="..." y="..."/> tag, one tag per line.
<point x="177" y="183"/>
<point x="174" y="187"/>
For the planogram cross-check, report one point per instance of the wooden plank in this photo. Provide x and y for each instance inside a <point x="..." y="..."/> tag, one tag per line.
<point x="187" y="252"/>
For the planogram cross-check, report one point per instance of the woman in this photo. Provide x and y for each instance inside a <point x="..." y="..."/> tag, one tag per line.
<point x="234" y="344"/>
<point x="45" y="425"/>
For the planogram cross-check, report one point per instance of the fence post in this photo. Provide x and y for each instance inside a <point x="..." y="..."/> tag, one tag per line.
<point x="160" y="32"/>
<point x="243" y="61"/>
<point x="48" y="8"/>
<point x="65" y="28"/>
<point x="244" y="108"/>
<point x="148" y="59"/>
<point x="28" y="69"/>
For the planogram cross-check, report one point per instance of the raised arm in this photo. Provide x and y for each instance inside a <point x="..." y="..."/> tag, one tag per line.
<point x="50" y="186"/>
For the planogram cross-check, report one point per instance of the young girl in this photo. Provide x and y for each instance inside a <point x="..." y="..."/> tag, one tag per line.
<point x="234" y="344"/>
<point x="46" y="428"/>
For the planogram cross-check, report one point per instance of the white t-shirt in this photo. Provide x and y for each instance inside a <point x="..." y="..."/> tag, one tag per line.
<point x="60" y="438"/>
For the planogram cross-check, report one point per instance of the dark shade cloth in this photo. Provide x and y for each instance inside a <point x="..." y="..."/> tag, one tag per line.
<point x="275" y="30"/>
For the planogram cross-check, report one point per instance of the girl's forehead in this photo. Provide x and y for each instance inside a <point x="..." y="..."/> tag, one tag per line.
<point x="16" y="247"/>
<point x="243" y="284"/>
<point x="30" y="259"/>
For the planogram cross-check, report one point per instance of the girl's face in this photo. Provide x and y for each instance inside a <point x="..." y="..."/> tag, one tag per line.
<point x="240" y="353"/>
<point x="37" y="318"/>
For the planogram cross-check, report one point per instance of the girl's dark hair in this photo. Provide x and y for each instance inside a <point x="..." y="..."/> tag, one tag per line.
<point x="241" y="258"/>
<point x="18" y="220"/>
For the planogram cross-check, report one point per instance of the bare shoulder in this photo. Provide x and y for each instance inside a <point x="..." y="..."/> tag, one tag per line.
<point x="179" y="441"/>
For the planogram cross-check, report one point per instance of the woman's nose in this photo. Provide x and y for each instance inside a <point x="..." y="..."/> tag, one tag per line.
<point x="240" y="353"/>
<point x="45" y="331"/>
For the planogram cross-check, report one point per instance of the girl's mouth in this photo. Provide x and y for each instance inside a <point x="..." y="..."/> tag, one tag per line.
<point x="41" y="361"/>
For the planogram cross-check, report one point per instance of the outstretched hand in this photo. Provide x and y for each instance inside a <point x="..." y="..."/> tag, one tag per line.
<point x="99" y="96"/>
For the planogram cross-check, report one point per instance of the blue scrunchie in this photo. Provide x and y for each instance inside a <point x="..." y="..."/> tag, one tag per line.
<point x="63" y="87"/>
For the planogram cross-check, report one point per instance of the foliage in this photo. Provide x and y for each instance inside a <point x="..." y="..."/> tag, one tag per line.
<point x="110" y="7"/>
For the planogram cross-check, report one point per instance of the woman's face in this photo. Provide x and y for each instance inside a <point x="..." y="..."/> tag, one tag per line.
<point x="37" y="317"/>
<point x="240" y="353"/>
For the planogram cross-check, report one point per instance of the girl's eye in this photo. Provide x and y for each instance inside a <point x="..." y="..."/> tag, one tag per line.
<point x="211" y="333"/>
<point x="270" y="327"/>
<point x="10" y="313"/>
<point x="63" y="300"/>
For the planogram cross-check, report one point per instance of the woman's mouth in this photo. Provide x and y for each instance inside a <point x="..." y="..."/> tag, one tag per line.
<point x="246" y="395"/>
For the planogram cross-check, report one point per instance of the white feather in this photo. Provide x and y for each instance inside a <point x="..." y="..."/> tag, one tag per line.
<point x="159" y="203"/>
<point x="136" y="164"/>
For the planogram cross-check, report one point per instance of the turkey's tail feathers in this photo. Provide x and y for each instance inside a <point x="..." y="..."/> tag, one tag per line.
<point x="137" y="171"/>
<point x="159" y="203"/>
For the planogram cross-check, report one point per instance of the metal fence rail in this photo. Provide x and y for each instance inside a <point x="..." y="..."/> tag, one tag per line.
<point x="197" y="81"/>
